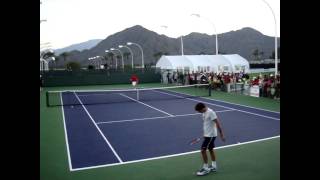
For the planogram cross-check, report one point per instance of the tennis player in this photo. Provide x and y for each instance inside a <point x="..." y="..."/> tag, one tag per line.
<point x="134" y="80"/>
<point x="210" y="126"/>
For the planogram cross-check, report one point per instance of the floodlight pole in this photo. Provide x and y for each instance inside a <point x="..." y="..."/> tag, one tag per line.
<point x="130" y="43"/>
<point x="181" y="40"/>
<point x="215" y="29"/>
<point x="120" y="54"/>
<point x="275" y="39"/>
<point x="120" y="46"/>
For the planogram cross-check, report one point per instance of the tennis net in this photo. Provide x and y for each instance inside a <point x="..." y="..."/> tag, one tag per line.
<point x="88" y="97"/>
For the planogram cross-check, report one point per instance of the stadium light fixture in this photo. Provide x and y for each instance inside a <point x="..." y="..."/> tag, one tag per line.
<point x="114" y="49"/>
<point x="215" y="29"/>
<point x="181" y="38"/>
<point x="121" y="46"/>
<point x="142" y="59"/>
<point x="275" y="38"/>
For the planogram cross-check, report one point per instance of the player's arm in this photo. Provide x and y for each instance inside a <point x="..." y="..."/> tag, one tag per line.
<point x="219" y="128"/>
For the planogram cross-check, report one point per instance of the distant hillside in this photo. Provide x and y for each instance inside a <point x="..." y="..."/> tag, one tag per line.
<point x="79" y="47"/>
<point x="242" y="42"/>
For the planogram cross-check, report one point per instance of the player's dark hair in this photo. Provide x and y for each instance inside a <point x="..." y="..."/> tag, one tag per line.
<point x="199" y="106"/>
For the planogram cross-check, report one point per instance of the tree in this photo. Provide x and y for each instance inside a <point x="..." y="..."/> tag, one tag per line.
<point x="157" y="56"/>
<point x="126" y="55"/>
<point x="104" y="58"/>
<point x="261" y="53"/>
<point x="273" y="54"/>
<point x="221" y="52"/>
<point x="65" y="55"/>
<point x="110" y="55"/>
<point x="73" y="65"/>
<point x="57" y="58"/>
<point x="119" y="57"/>
<point x="255" y="54"/>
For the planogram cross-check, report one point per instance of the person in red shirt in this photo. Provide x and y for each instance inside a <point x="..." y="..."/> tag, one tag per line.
<point x="255" y="81"/>
<point x="134" y="80"/>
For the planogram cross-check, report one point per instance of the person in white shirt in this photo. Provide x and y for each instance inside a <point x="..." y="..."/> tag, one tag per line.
<point x="211" y="126"/>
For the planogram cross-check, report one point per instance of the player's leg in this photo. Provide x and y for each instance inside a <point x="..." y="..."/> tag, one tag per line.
<point x="204" y="170"/>
<point x="204" y="156"/>
<point x="212" y="154"/>
<point x="213" y="166"/>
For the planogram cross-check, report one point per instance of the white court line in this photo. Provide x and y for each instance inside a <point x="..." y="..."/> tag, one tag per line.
<point x="200" y="113"/>
<point x="219" y="105"/>
<point x="94" y="94"/>
<point x="146" y="105"/>
<point x="129" y="120"/>
<point x="173" y="155"/>
<point x="104" y="137"/>
<point x="66" y="134"/>
<point x="159" y="117"/>
<point x="241" y="105"/>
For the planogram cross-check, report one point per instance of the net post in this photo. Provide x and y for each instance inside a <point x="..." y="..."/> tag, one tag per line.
<point x="209" y="89"/>
<point x="137" y="94"/>
<point x="47" y="98"/>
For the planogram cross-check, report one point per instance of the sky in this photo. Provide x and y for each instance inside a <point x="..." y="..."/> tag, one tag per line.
<point x="75" y="21"/>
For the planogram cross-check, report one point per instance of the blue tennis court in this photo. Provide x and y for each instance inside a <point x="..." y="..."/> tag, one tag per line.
<point x="158" y="124"/>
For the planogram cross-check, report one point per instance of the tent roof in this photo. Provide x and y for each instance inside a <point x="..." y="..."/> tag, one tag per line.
<point x="173" y="62"/>
<point x="235" y="59"/>
<point x="219" y="60"/>
<point x="194" y="61"/>
<point x="199" y="60"/>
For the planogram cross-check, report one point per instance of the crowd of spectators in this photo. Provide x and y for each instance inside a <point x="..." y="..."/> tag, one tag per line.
<point x="268" y="84"/>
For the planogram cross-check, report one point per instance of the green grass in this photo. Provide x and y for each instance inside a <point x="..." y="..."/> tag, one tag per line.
<point x="252" y="161"/>
<point x="258" y="160"/>
<point x="261" y="102"/>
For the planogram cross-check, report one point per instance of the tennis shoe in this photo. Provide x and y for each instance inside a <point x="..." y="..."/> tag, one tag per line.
<point x="212" y="169"/>
<point x="203" y="171"/>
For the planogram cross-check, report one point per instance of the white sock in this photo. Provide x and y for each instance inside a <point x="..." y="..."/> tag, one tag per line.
<point x="214" y="163"/>
<point x="205" y="165"/>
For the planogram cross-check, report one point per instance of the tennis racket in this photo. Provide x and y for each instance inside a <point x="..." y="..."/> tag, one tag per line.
<point x="194" y="141"/>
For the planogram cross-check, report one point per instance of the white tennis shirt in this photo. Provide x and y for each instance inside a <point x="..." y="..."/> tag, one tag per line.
<point x="209" y="126"/>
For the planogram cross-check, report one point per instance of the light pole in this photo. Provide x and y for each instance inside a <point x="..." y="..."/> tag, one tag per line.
<point x="215" y="29"/>
<point x="91" y="59"/>
<point x="114" y="49"/>
<point x="95" y="63"/>
<point x="275" y="39"/>
<point x="51" y="59"/>
<point x="44" y="64"/>
<point x="98" y="61"/>
<point x="43" y="60"/>
<point x="131" y="43"/>
<point x="44" y="20"/>
<point x="121" y="46"/>
<point x="181" y="39"/>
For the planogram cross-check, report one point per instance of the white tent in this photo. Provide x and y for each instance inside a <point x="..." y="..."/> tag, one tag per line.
<point x="174" y="63"/>
<point x="221" y="64"/>
<point x="204" y="63"/>
<point x="201" y="63"/>
<point x="238" y="63"/>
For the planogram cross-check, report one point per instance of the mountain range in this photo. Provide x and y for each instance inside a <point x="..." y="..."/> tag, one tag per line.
<point x="243" y="42"/>
<point x="79" y="47"/>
